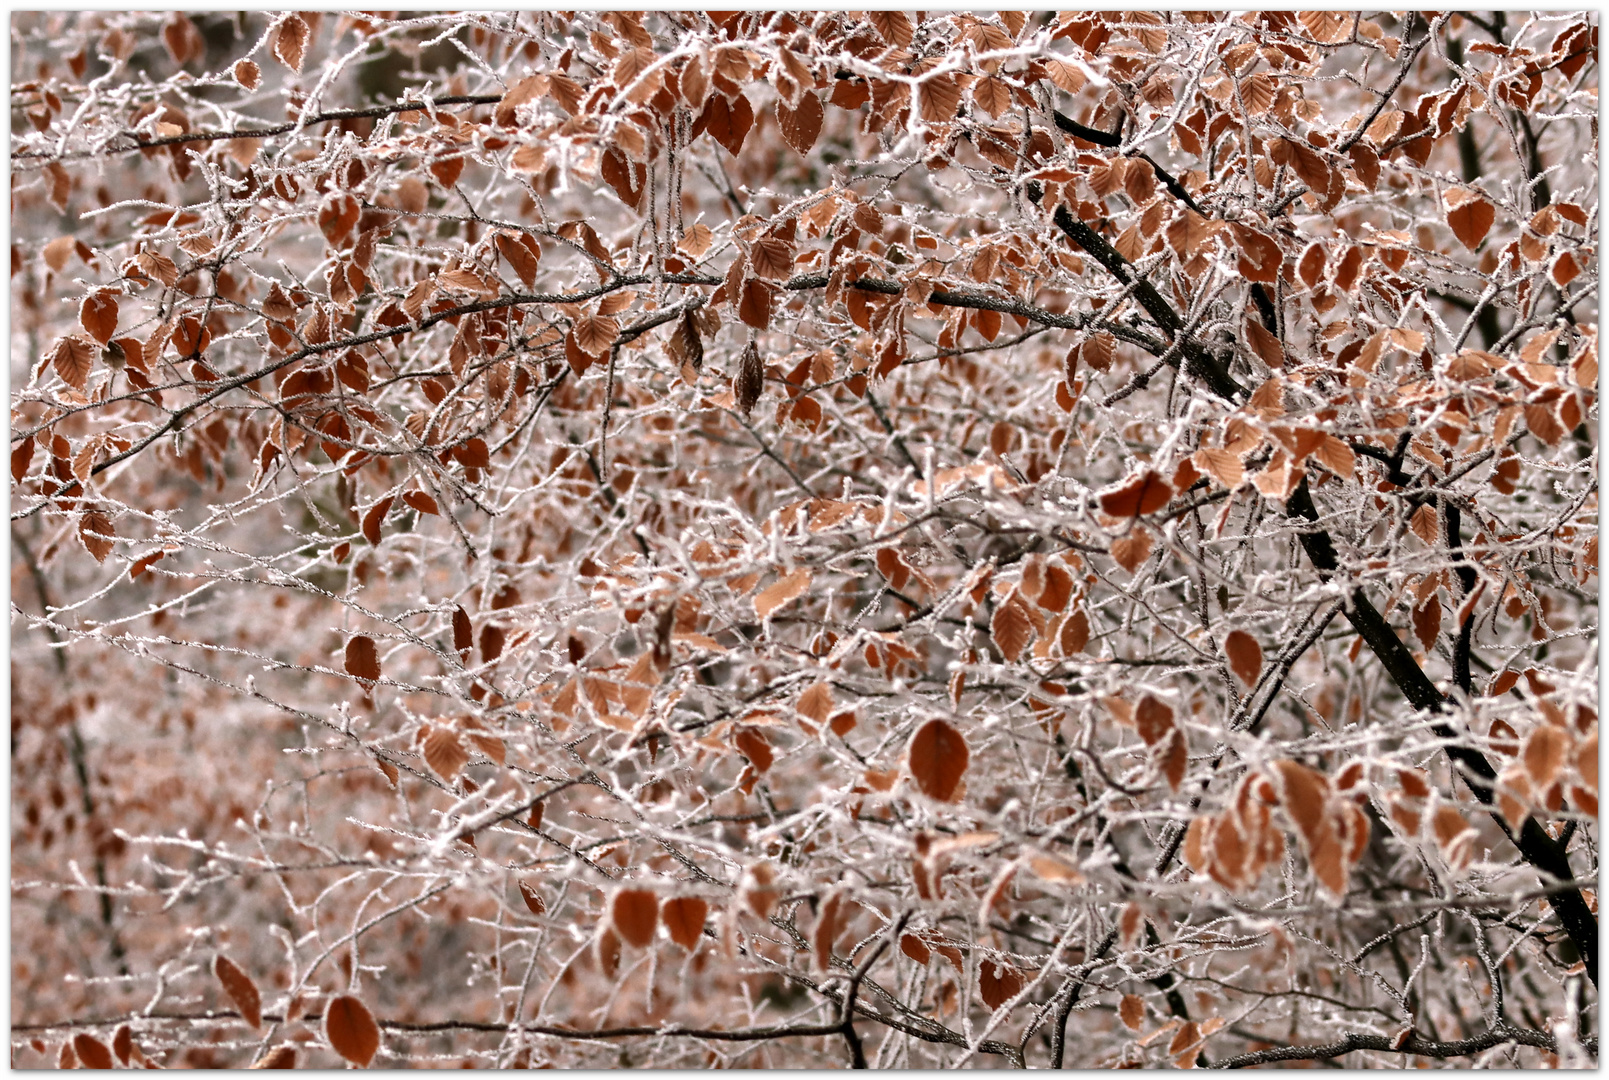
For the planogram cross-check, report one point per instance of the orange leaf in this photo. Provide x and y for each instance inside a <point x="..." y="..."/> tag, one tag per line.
<point x="998" y="983"/>
<point x="1132" y="1011"/>
<point x="801" y="125"/>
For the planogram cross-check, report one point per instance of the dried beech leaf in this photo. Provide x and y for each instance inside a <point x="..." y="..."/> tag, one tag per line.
<point x="362" y="659"/>
<point x="1245" y="656"/>
<point x="351" y="1031"/>
<point x="634" y="915"/>
<point x="938" y="759"/>
<point x="684" y="917"/>
<point x="241" y="990"/>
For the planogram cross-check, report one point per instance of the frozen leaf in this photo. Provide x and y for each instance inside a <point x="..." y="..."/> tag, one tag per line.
<point x="1010" y="628"/>
<point x="351" y="1031"/>
<point x="1470" y="216"/>
<point x="1131" y="550"/>
<point x="362" y="659"/>
<point x="684" y="917"/>
<point x="1145" y="492"/>
<point x="801" y="124"/>
<point x="1131" y="1010"/>
<point x="938" y="759"/>
<point x="1427" y="622"/>
<point x="1544" y="755"/>
<point x="634" y="914"/>
<point x="791" y="585"/>
<point x="241" y="990"/>
<point x="72" y="358"/>
<point x="96" y="533"/>
<point x="998" y="983"/>
<point x="290" y="41"/>
<point x="1245" y="656"/>
<point x="444" y="754"/>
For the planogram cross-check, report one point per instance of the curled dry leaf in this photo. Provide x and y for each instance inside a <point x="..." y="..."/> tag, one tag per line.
<point x="749" y="382"/>
<point x="350" y="1029"/>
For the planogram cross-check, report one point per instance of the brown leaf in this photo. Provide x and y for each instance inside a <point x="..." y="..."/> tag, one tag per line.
<point x="938" y="759"/>
<point x="772" y="259"/>
<point x="351" y="1031"/>
<point x="1264" y="343"/>
<point x="749" y="381"/>
<point x="998" y="983"/>
<point x="828" y="924"/>
<point x="684" y="917"/>
<point x="1145" y="492"/>
<point x="421" y="501"/>
<point x="533" y="900"/>
<point x="1011" y="628"/>
<point x="1544" y="754"/>
<point x="1425" y="524"/>
<point x="785" y="588"/>
<point x="96" y="533"/>
<point x="1131" y="1010"/>
<point x="915" y="948"/>
<point x="696" y="240"/>
<point x="1245" y="656"/>
<point x="1470" y="216"/>
<point x="444" y="754"/>
<point x="247" y="74"/>
<point x="634" y="915"/>
<point x="1175" y="759"/>
<point x="755" y="303"/>
<point x="1131" y="550"/>
<point x="1153" y="719"/>
<point x="98" y="316"/>
<point x="940" y="97"/>
<point x="373" y="518"/>
<point x="463" y="633"/>
<point x="241" y="990"/>
<point x="1427" y="622"/>
<point x="123" y="1043"/>
<point x="521" y="253"/>
<point x="362" y="659"/>
<point x="72" y="358"/>
<point x="594" y="334"/>
<point x="1222" y="465"/>
<point x="92" y="1052"/>
<point x="290" y="41"/>
<point x="801" y="125"/>
<point x="894" y="27"/>
<point x="280" y="1057"/>
<point x="816" y="702"/>
<point x="752" y="745"/>
<point x="1075" y="632"/>
<point x="728" y="122"/>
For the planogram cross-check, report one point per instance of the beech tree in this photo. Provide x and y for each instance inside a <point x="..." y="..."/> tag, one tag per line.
<point x="881" y="538"/>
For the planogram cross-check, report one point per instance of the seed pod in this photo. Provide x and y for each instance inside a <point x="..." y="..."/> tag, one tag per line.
<point x="750" y="379"/>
